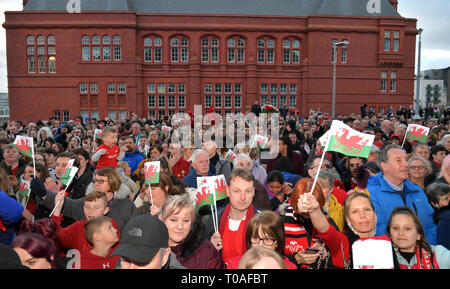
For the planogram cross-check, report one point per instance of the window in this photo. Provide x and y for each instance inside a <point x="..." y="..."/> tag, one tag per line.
<point x="161" y="101"/>
<point x="51" y="64"/>
<point x="106" y="53"/>
<point x="106" y="39"/>
<point x="39" y="55"/>
<point x="181" y="100"/>
<point x="179" y="50"/>
<point x="66" y="115"/>
<point x="237" y="101"/>
<point x="383" y="80"/>
<point x="83" y="87"/>
<point x="31" y="64"/>
<point x="236" y="50"/>
<point x="96" y="52"/>
<point x="95" y="114"/>
<point x="86" y="53"/>
<point x="344" y="56"/>
<point x="218" y="101"/>
<point x="151" y="88"/>
<point x="93" y="87"/>
<point x="122" y="114"/>
<point x="291" y="51"/>
<point x="151" y="101"/>
<point x="265" y="51"/>
<point x="387" y="44"/>
<point x="273" y="100"/>
<point x="111" y="87"/>
<point x="95" y="39"/>
<point x="161" y="88"/>
<point x="51" y="40"/>
<point x="121" y="87"/>
<point x="85" y="39"/>
<point x="41" y="64"/>
<point x="30" y="50"/>
<point x="117" y="50"/>
<point x="112" y="114"/>
<point x="292" y="101"/>
<point x="228" y="101"/>
<point x="208" y="101"/>
<point x="30" y="40"/>
<point x="57" y="114"/>
<point x="264" y="88"/>
<point x="181" y="87"/>
<point x="40" y="40"/>
<point x="210" y="49"/>
<point x="153" y="49"/>
<point x="117" y="39"/>
<point x="333" y="51"/>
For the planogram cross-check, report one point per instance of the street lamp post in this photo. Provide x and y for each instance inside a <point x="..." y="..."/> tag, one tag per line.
<point x="417" y="100"/>
<point x="333" y="102"/>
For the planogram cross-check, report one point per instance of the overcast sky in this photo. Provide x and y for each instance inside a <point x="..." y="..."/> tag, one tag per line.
<point x="432" y="17"/>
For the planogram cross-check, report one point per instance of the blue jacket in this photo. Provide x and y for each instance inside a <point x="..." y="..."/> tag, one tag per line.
<point x="385" y="200"/>
<point x="133" y="159"/>
<point x="10" y="213"/>
<point x="191" y="178"/>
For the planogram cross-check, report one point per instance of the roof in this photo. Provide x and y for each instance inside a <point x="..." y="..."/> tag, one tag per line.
<point x="221" y="7"/>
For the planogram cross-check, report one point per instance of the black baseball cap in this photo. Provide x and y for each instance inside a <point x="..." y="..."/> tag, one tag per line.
<point x="9" y="258"/>
<point x="143" y="236"/>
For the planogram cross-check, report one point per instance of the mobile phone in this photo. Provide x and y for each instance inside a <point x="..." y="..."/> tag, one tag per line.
<point x="311" y="250"/>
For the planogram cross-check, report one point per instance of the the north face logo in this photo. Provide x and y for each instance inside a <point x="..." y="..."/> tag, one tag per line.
<point x="135" y="232"/>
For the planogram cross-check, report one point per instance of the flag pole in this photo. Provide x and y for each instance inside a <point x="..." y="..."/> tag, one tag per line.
<point x="320" y="164"/>
<point x="404" y="138"/>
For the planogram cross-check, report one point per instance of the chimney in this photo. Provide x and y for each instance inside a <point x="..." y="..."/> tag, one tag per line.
<point x="394" y="3"/>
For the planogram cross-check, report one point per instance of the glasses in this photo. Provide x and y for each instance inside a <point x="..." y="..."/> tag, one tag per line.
<point x="417" y="167"/>
<point x="266" y="241"/>
<point x="101" y="182"/>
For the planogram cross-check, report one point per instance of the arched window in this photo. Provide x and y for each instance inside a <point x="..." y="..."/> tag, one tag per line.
<point x="179" y="49"/>
<point x="291" y="51"/>
<point x="153" y="49"/>
<point x="210" y="49"/>
<point x="236" y="49"/>
<point x="266" y="50"/>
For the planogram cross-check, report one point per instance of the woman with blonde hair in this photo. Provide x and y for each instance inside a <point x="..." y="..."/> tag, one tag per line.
<point x="186" y="234"/>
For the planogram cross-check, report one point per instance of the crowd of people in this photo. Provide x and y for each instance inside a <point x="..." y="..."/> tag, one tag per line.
<point x="113" y="219"/>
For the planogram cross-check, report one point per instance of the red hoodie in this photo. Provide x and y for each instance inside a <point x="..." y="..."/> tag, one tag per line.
<point x="73" y="237"/>
<point x="91" y="261"/>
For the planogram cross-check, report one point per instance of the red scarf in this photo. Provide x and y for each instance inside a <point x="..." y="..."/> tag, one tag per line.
<point x="224" y="222"/>
<point x="423" y="259"/>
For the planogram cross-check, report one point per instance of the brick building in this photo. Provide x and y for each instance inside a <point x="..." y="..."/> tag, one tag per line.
<point x="156" y="57"/>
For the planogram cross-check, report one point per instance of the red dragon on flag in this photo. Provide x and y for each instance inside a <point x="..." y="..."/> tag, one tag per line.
<point x="24" y="145"/>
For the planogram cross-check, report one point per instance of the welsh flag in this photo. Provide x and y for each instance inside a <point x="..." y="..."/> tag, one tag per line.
<point x="345" y="140"/>
<point x="152" y="170"/>
<point x="24" y="188"/>
<point x="216" y="184"/>
<point x="220" y="187"/>
<point x="69" y="173"/>
<point x="416" y="132"/>
<point x="25" y="145"/>
<point x="230" y="156"/>
<point x="268" y="108"/>
<point x="203" y="197"/>
<point x="166" y="130"/>
<point x="259" y="141"/>
<point x="98" y="133"/>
